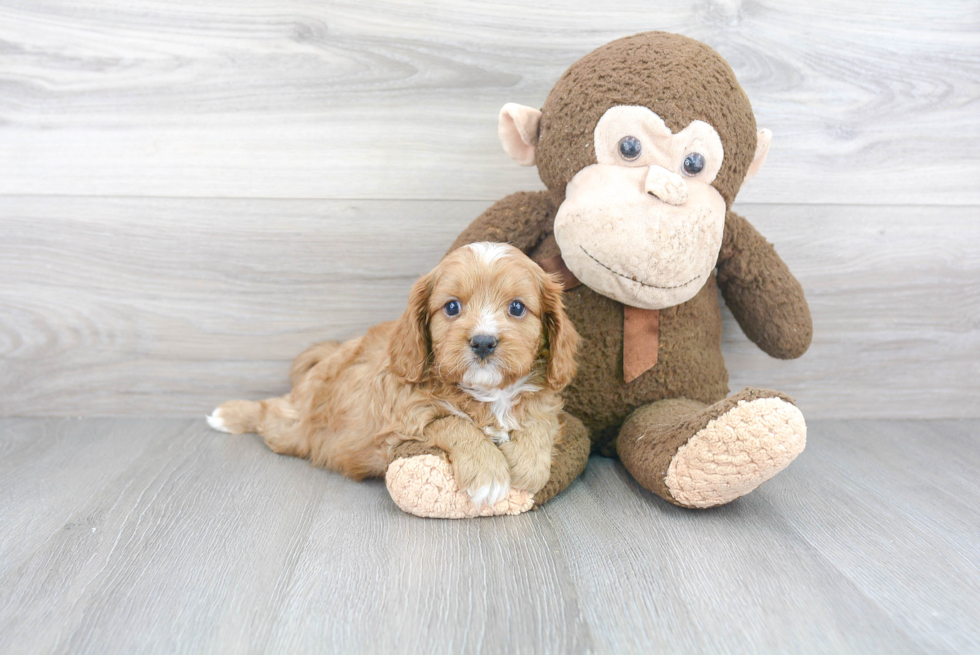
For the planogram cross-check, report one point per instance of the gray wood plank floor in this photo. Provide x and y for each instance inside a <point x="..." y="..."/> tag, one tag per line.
<point x="157" y="535"/>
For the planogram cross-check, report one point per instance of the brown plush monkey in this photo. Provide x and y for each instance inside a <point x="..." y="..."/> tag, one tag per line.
<point x="643" y="145"/>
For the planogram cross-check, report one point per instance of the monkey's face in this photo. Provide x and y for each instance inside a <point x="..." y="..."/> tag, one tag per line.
<point x="645" y="142"/>
<point x="643" y="225"/>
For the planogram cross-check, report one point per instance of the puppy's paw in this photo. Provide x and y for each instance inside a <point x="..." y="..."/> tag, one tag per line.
<point x="424" y="485"/>
<point x="531" y="478"/>
<point x="483" y="473"/>
<point x="488" y="494"/>
<point x="529" y="469"/>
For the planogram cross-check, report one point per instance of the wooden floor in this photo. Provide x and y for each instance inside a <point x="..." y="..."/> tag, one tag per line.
<point x="157" y="535"/>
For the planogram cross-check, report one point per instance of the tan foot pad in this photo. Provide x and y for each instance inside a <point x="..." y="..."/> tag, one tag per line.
<point x="736" y="452"/>
<point x="424" y="485"/>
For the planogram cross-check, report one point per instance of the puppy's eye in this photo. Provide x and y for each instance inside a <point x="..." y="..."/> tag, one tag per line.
<point x="517" y="309"/>
<point x="630" y="148"/>
<point x="452" y="308"/>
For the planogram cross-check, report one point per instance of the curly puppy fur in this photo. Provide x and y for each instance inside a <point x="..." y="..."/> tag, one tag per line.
<point x="424" y="379"/>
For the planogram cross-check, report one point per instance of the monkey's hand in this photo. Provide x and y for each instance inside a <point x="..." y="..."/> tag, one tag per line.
<point x="765" y="298"/>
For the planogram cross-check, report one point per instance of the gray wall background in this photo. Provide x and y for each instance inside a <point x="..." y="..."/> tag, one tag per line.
<point x="192" y="192"/>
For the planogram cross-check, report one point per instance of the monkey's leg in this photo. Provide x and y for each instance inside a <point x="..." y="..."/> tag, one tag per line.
<point x="568" y="459"/>
<point x="420" y="479"/>
<point x="696" y="455"/>
<point x="421" y="482"/>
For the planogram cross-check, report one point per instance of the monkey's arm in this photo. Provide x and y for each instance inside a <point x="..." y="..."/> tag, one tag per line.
<point x="521" y="219"/>
<point x="765" y="298"/>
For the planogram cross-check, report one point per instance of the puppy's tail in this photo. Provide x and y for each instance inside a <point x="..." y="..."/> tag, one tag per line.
<point x="275" y="419"/>
<point x="237" y="417"/>
<point x="310" y="358"/>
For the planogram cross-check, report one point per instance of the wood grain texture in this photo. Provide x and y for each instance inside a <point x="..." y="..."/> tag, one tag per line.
<point x="917" y="474"/>
<point x="168" y="307"/>
<point x="871" y="102"/>
<point x="37" y="500"/>
<point x="193" y="541"/>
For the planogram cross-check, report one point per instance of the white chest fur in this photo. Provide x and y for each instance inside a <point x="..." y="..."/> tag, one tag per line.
<point x="502" y="402"/>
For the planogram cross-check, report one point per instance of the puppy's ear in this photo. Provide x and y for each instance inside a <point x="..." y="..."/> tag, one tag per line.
<point x="409" y="348"/>
<point x="562" y="339"/>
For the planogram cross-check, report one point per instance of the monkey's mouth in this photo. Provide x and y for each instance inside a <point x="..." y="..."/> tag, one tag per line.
<point x="633" y="279"/>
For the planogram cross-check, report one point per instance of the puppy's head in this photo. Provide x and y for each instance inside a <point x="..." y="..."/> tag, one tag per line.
<point x="484" y="318"/>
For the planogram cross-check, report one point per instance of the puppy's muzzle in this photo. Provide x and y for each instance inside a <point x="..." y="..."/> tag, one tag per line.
<point x="483" y="345"/>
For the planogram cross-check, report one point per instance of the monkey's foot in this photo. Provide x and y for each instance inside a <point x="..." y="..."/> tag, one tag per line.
<point x="736" y="452"/>
<point x="424" y="485"/>
<point x="703" y="456"/>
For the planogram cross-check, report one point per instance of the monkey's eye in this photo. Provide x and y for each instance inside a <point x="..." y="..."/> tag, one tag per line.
<point x="630" y="148"/>
<point x="517" y="309"/>
<point x="452" y="308"/>
<point x="693" y="164"/>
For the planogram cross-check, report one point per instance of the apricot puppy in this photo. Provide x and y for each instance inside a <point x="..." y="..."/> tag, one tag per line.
<point x="473" y="367"/>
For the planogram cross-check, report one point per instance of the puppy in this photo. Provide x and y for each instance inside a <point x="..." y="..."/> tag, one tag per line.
<point x="474" y="367"/>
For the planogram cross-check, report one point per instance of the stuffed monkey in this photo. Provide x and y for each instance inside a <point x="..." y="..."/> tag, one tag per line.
<point x="643" y="145"/>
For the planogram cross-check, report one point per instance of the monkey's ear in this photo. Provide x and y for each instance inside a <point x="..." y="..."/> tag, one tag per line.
<point x="518" y="132"/>
<point x="763" y="139"/>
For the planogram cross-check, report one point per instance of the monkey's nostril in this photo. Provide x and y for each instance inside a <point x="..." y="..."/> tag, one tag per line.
<point x="483" y="345"/>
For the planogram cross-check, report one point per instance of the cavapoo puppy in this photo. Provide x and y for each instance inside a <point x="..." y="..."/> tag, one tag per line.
<point x="474" y="367"/>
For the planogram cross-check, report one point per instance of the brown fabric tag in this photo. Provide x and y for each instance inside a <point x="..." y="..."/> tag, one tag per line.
<point x="641" y="327"/>
<point x="557" y="265"/>
<point x="641" y="341"/>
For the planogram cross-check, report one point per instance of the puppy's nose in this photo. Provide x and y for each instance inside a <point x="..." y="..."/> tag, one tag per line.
<point x="483" y="345"/>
